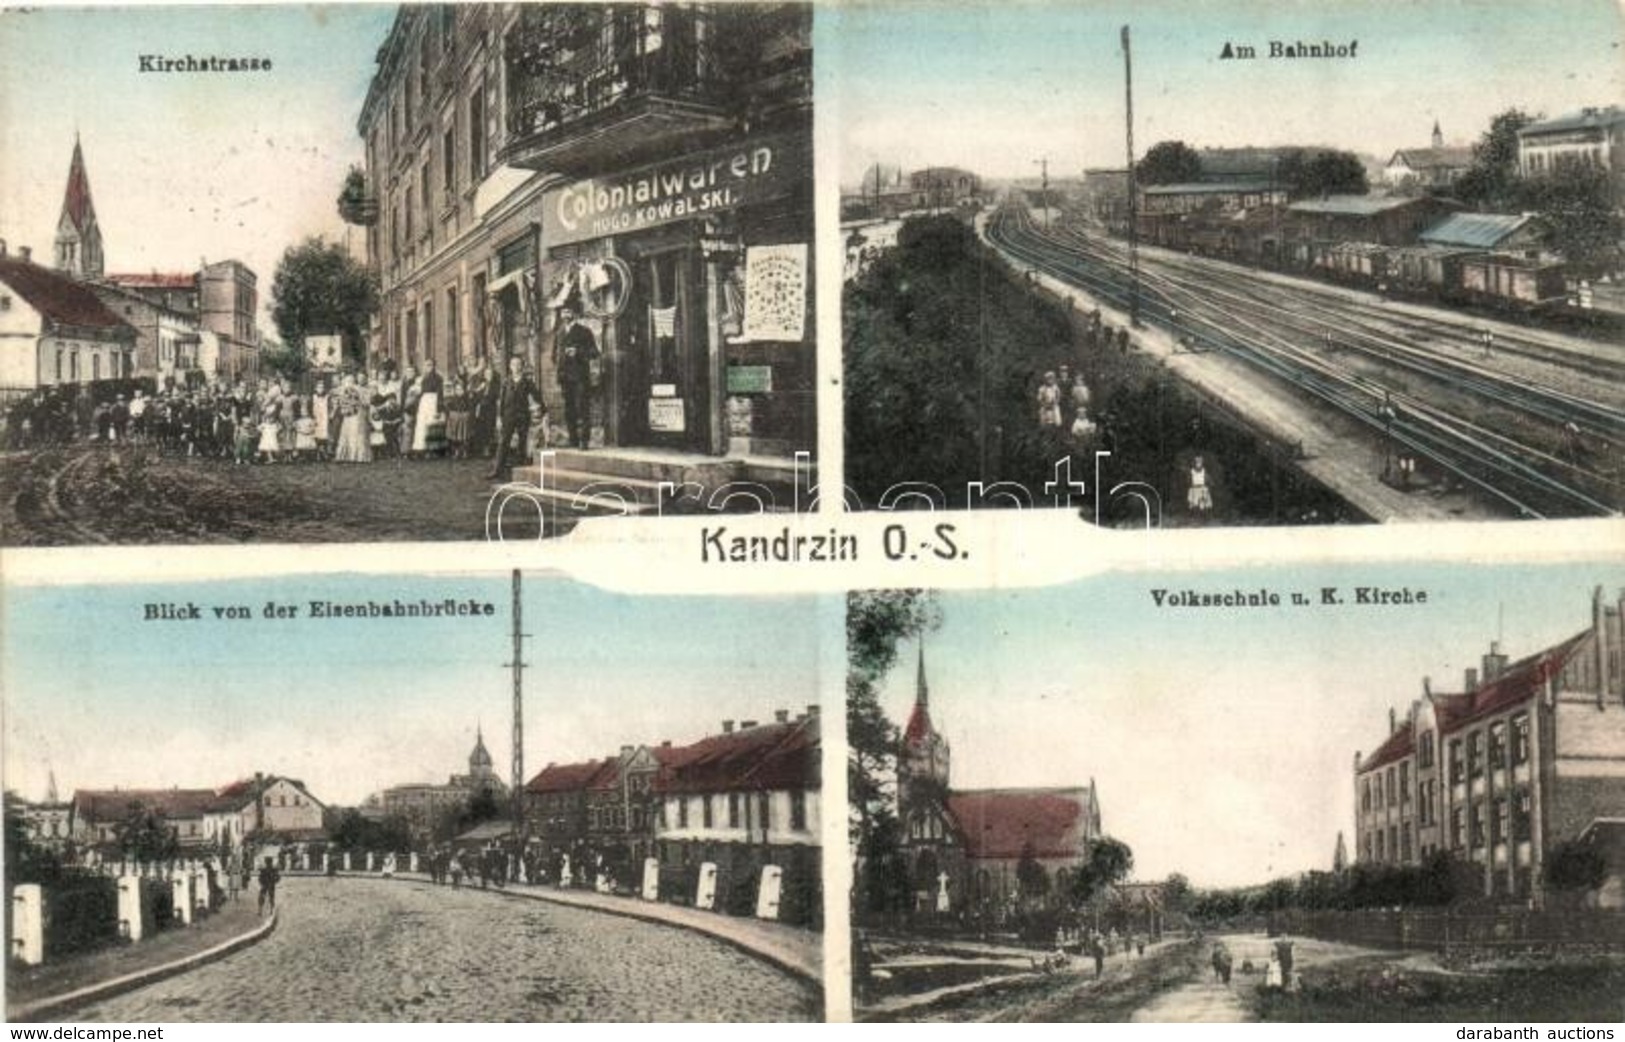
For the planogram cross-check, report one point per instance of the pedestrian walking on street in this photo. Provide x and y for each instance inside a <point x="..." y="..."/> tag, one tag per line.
<point x="269" y="877"/>
<point x="1099" y="952"/>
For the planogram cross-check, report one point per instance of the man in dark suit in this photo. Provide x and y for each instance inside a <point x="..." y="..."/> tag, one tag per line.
<point x="574" y="351"/>
<point x="513" y="400"/>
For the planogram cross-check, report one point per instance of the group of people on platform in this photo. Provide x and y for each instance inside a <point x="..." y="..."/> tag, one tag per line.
<point x="480" y="411"/>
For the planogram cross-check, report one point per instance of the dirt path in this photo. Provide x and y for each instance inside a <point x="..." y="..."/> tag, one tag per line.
<point x="1202" y="1001"/>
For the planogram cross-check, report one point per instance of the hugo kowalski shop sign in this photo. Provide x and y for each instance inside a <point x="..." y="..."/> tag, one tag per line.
<point x="745" y="173"/>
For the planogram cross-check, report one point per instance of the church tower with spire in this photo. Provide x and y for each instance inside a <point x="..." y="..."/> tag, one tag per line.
<point x="1438" y="136"/>
<point x="78" y="236"/>
<point x="922" y="762"/>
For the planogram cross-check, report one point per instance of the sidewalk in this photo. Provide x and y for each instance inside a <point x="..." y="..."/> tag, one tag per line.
<point x="42" y="991"/>
<point x="788" y="947"/>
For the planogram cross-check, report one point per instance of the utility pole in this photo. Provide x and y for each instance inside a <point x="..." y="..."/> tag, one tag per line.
<point x="1043" y="167"/>
<point x="517" y="793"/>
<point x="1133" y="202"/>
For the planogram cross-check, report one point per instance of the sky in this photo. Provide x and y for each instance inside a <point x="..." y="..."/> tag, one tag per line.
<point x="996" y="87"/>
<point x="103" y="698"/>
<point x="1221" y="741"/>
<point x="183" y="166"/>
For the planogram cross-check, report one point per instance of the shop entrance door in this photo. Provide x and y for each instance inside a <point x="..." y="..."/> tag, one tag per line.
<point x="665" y="388"/>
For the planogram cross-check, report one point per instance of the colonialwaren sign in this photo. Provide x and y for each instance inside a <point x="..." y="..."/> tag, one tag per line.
<point x="752" y="171"/>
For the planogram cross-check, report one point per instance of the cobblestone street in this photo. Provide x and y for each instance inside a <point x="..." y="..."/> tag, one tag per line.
<point x="375" y="950"/>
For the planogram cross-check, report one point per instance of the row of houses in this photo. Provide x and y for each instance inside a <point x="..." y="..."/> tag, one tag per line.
<point x="932" y="188"/>
<point x="747" y="796"/>
<point x="1526" y="756"/>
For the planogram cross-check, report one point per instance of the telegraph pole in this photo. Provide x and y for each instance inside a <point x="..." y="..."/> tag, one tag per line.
<point x="517" y="792"/>
<point x="1043" y="167"/>
<point x="1133" y="202"/>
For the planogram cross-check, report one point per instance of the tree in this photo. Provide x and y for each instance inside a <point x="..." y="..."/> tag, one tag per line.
<point x="1168" y="162"/>
<point x="1176" y="893"/>
<point x="1031" y="879"/>
<point x="1573" y="866"/>
<point x="1579" y="206"/>
<point x="876" y="621"/>
<point x="1306" y="174"/>
<point x="320" y="288"/>
<point x="1108" y="863"/>
<point x="144" y="834"/>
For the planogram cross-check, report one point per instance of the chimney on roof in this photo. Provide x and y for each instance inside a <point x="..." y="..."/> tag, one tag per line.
<point x="626" y="751"/>
<point x="727" y="727"/>
<point x="27" y="253"/>
<point x="1427" y="692"/>
<point x="812" y="708"/>
<point x="1494" y="663"/>
<point x="1470" y="680"/>
<point x="665" y="743"/>
<point x="1393" y="720"/>
<point x="745" y="725"/>
<point x="781" y="716"/>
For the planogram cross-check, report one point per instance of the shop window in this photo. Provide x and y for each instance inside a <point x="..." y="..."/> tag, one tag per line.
<point x="798" y="810"/>
<point x="705" y="811"/>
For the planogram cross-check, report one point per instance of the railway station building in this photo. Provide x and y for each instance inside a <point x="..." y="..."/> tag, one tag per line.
<point x="1527" y="755"/>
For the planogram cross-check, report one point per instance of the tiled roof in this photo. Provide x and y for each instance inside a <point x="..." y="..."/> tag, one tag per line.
<point x="1353" y="205"/>
<point x="1008" y="823"/>
<point x="1397" y="746"/>
<point x="1434" y="158"/>
<point x="1208" y="187"/>
<point x="1475" y="230"/>
<point x="58" y="297"/>
<point x="769" y="756"/>
<point x="115" y="804"/>
<point x="1517" y="683"/>
<point x="566" y="777"/>
<point x="1584" y="119"/>
<point x="155" y="280"/>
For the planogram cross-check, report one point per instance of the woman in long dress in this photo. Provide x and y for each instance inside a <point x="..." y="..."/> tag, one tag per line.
<point x="321" y="411"/>
<point x="355" y="425"/>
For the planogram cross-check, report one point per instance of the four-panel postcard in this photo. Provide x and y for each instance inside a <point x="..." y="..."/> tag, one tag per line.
<point x="832" y="512"/>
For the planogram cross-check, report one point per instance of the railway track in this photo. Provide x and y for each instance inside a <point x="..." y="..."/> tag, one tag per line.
<point x="1226" y="314"/>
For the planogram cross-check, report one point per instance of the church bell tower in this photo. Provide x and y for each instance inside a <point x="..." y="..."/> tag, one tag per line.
<point x="78" y="236"/>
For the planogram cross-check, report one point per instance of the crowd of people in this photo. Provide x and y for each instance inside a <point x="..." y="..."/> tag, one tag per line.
<point x="353" y="417"/>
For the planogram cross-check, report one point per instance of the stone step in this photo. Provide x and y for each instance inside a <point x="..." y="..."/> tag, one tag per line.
<point x="646" y="465"/>
<point x="575" y="481"/>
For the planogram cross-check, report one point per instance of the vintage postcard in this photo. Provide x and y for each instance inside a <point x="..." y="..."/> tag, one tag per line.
<point x="402" y="799"/>
<point x="1391" y="793"/>
<point x="332" y="274"/>
<point x="1235" y="262"/>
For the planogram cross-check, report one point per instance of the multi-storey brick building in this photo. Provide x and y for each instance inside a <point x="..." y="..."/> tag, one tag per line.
<point x="649" y="164"/>
<point x="1528" y="755"/>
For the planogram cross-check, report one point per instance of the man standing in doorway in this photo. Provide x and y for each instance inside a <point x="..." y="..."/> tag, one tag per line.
<point x="513" y="399"/>
<point x="574" y="351"/>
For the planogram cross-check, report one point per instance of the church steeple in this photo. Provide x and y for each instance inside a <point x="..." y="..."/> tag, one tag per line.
<point x="479" y="761"/>
<point x="78" y="236"/>
<point x="1438" y="137"/>
<point x="924" y="753"/>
